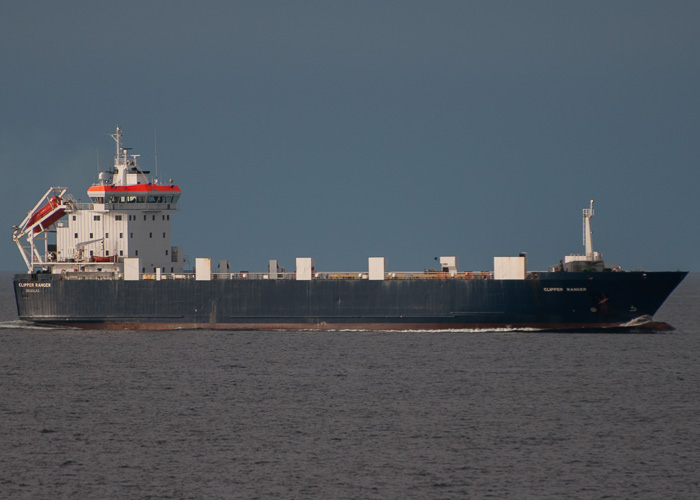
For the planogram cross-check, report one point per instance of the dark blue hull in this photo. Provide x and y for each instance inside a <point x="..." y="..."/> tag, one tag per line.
<point x="554" y="301"/>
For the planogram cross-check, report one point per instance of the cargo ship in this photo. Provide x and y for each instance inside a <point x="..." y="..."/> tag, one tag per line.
<point x="109" y="264"/>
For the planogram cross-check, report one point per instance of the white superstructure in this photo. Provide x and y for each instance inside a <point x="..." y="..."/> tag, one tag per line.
<point x="128" y="217"/>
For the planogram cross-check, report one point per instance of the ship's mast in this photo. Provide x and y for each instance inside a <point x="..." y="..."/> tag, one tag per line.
<point x="120" y="163"/>
<point x="588" y="232"/>
<point x="118" y="139"/>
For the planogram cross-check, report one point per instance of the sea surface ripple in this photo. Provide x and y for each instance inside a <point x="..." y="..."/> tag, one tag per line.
<point x="205" y="414"/>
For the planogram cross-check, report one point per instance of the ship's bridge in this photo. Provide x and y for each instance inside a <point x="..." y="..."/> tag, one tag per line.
<point x="126" y="186"/>
<point x="149" y="194"/>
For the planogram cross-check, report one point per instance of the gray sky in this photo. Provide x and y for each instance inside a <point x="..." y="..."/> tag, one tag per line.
<point x="344" y="130"/>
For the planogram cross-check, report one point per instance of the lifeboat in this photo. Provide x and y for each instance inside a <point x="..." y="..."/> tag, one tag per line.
<point x="111" y="258"/>
<point x="44" y="218"/>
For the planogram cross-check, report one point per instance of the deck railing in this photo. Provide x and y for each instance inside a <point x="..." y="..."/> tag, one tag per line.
<point x="319" y="275"/>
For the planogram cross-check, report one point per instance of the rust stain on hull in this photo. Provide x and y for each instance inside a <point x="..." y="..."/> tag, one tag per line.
<point x="651" y="326"/>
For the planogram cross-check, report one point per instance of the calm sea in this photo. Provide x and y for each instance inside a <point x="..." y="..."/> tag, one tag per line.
<point x="203" y="414"/>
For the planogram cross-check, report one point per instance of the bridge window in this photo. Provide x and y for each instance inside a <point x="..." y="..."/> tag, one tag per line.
<point x="95" y="217"/>
<point x="117" y="217"/>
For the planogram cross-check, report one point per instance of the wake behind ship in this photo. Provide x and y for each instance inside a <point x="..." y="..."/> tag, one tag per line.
<point x="109" y="263"/>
